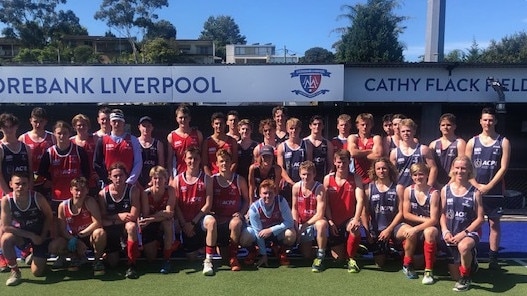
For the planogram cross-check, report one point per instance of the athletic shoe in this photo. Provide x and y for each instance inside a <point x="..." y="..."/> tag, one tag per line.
<point x="27" y="255"/>
<point x="165" y="269"/>
<point x="98" y="268"/>
<point x="235" y="264"/>
<point x="462" y="285"/>
<point x="428" y="278"/>
<point x="251" y="257"/>
<point x="409" y="272"/>
<point x="353" y="267"/>
<point x="3" y="264"/>
<point x="317" y="265"/>
<point x="131" y="273"/>
<point x="75" y="264"/>
<point x="14" y="278"/>
<point x="207" y="267"/>
<point x="29" y="259"/>
<point x="493" y="264"/>
<point x="60" y="263"/>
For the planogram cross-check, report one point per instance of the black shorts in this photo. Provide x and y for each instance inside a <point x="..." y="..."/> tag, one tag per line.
<point x="115" y="234"/>
<point x="152" y="232"/>
<point x="454" y="252"/>
<point x="224" y="234"/>
<point x="194" y="243"/>
<point x="492" y="205"/>
<point x="342" y="236"/>
<point x="38" y="251"/>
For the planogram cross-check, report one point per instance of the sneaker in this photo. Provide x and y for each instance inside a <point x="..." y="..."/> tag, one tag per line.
<point x="98" y="268"/>
<point x="317" y="265"/>
<point x="131" y="273"/>
<point x="14" y="278"/>
<point x="75" y="264"/>
<point x="235" y="264"/>
<point x="409" y="272"/>
<point x="29" y="259"/>
<point x="353" y="267"/>
<point x="493" y="264"/>
<point x="27" y="255"/>
<point x="165" y="269"/>
<point x="428" y="278"/>
<point x="463" y="284"/>
<point x="60" y="263"/>
<point x="207" y="267"/>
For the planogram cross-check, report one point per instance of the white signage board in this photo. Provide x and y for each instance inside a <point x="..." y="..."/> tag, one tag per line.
<point x="144" y="84"/>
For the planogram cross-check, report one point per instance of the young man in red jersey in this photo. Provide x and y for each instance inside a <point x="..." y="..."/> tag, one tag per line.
<point x="344" y="197"/>
<point x="194" y="199"/>
<point x="364" y="147"/>
<point x="218" y="140"/>
<point x="230" y="205"/>
<point x="80" y="228"/>
<point x="308" y="210"/>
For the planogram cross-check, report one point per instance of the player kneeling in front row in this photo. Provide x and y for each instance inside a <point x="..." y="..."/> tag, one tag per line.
<point x="80" y="228"/>
<point x="271" y="221"/>
<point x="461" y="217"/>
<point x="26" y="218"/>
<point x="119" y="203"/>
<point x="230" y="204"/>
<point x="308" y="209"/>
<point x="157" y="221"/>
<point x="344" y="197"/>
<point x="421" y="218"/>
<point x="193" y="205"/>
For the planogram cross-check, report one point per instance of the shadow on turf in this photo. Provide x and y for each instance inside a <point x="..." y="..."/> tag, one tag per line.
<point x="501" y="280"/>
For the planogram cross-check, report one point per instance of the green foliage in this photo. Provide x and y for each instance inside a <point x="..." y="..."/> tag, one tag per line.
<point x="83" y="54"/>
<point x="511" y="49"/>
<point x="372" y="35"/>
<point x="222" y="30"/>
<point x="125" y="15"/>
<point x="161" y="29"/>
<point x="160" y="51"/>
<point x="317" y="55"/>
<point x="26" y="55"/>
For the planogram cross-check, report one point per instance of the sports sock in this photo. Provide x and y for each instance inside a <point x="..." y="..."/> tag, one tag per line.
<point x="429" y="252"/>
<point x="209" y="251"/>
<point x="408" y="260"/>
<point x="132" y="249"/>
<point x="352" y="244"/>
<point x="463" y="271"/>
<point x="321" y="253"/>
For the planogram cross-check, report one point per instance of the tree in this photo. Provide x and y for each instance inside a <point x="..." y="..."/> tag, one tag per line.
<point x="511" y="49"/>
<point x="222" y="30"/>
<point x="473" y="53"/>
<point x="373" y="34"/>
<point x="456" y="55"/>
<point x="160" y="51"/>
<point x="317" y="55"/>
<point x="125" y="15"/>
<point x="37" y="22"/>
<point x="162" y="29"/>
<point x="83" y="54"/>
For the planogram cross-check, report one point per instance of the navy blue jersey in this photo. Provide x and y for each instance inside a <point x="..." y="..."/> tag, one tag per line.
<point x="404" y="162"/>
<point x="460" y="210"/>
<point x="293" y="159"/>
<point x="123" y="204"/>
<point x="150" y="160"/>
<point x="31" y="218"/>
<point x="14" y="161"/>
<point x="245" y="159"/>
<point x="443" y="159"/>
<point x="421" y="210"/>
<point x="320" y="157"/>
<point x="487" y="161"/>
<point x="383" y="206"/>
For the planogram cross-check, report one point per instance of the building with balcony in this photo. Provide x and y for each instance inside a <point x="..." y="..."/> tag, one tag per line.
<point x="256" y="54"/>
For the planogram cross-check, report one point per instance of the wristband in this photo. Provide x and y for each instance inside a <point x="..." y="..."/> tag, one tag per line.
<point x="445" y="233"/>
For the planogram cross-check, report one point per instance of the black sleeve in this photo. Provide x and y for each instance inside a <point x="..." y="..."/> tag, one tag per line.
<point x="43" y="169"/>
<point x="85" y="163"/>
<point x="98" y="162"/>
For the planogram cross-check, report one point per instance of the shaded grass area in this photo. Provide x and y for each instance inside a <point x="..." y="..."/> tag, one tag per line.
<point x="273" y="280"/>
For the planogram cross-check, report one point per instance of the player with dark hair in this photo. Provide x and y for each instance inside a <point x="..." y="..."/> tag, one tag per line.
<point x="446" y="148"/>
<point x="461" y="218"/>
<point x="103" y="119"/>
<point x="25" y="219"/>
<point x="120" y="208"/>
<point x="218" y="140"/>
<point x="345" y="204"/>
<point x="246" y="147"/>
<point x="267" y="129"/>
<point x="152" y="150"/>
<point x="321" y="148"/>
<point x="233" y="118"/>
<point x="490" y="154"/>
<point x="194" y="198"/>
<point x="280" y="117"/>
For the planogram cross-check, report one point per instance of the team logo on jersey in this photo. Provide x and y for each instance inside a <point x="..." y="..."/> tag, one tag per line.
<point x="310" y="80"/>
<point x="450" y="214"/>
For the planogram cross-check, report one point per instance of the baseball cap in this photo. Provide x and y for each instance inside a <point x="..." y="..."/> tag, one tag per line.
<point x="145" y="118"/>
<point x="117" y="115"/>
<point x="267" y="150"/>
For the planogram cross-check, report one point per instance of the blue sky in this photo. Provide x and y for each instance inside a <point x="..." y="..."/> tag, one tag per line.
<point x="298" y="25"/>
